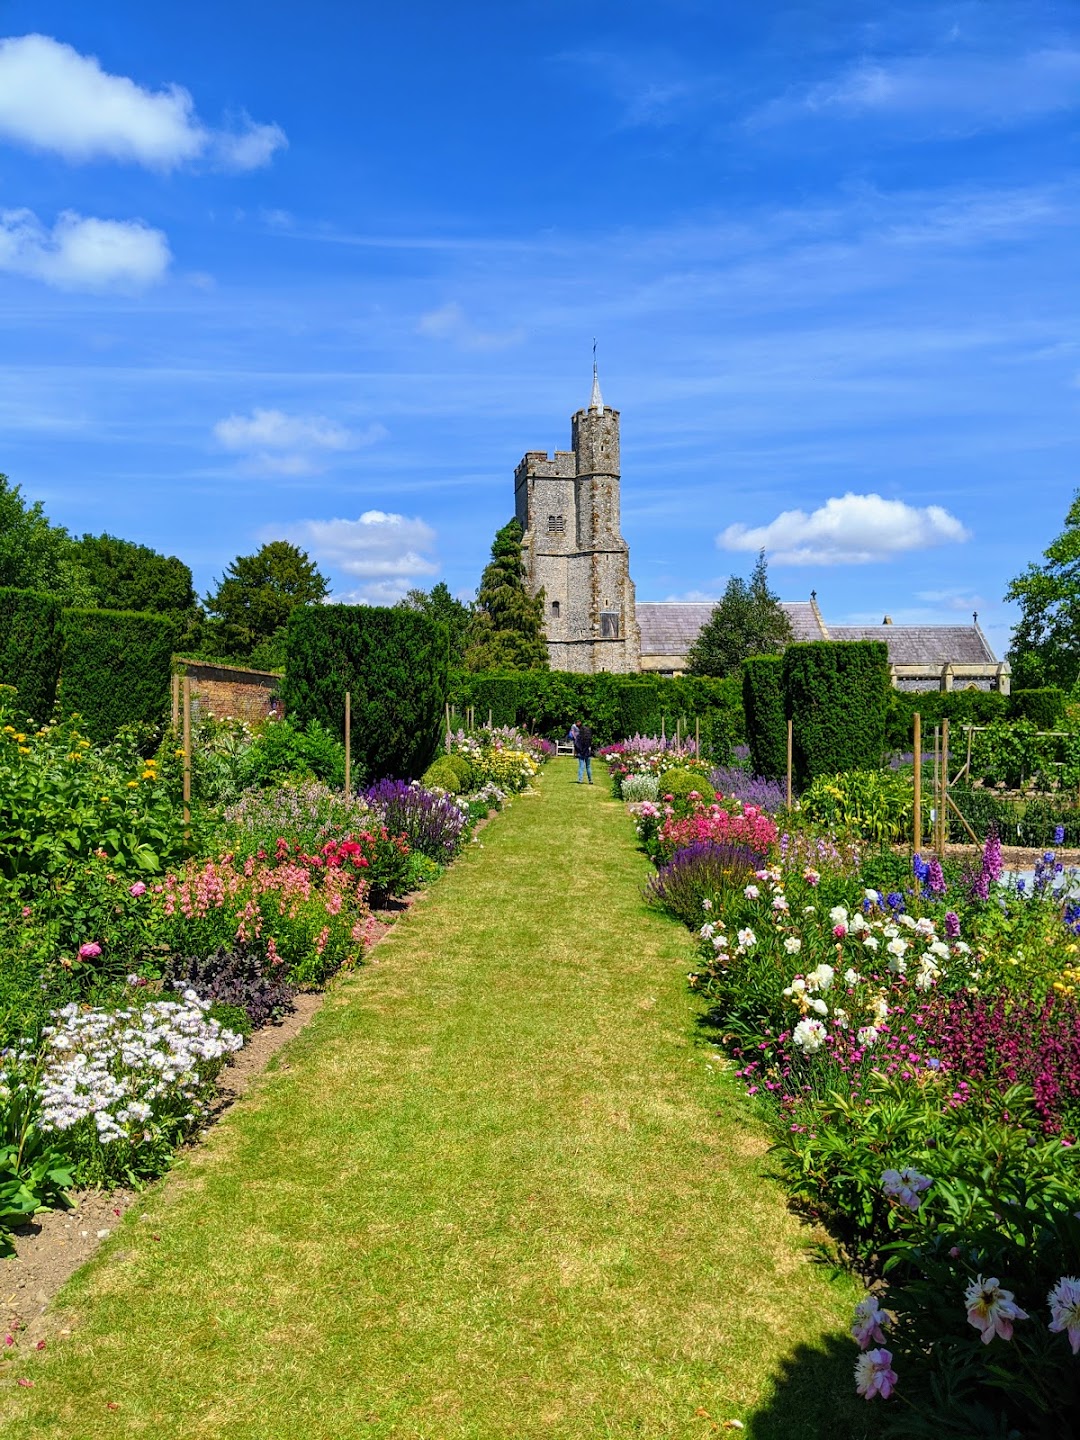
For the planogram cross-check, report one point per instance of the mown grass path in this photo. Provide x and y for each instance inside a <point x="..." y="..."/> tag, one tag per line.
<point x="486" y="1195"/>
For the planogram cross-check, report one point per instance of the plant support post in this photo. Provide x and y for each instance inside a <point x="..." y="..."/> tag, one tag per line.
<point x="789" y="763"/>
<point x="187" y="760"/>
<point x="917" y="818"/>
<point x="348" y="742"/>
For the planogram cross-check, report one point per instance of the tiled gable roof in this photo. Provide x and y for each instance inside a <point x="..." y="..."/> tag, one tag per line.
<point x="671" y="627"/>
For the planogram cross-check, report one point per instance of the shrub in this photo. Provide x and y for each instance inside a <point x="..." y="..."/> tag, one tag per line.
<point x="394" y="664"/>
<point x="960" y="707"/>
<point x="234" y="976"/>
<point x="281" y="749"/>
<point x="635" y="788"/>
<point x="117" y="665"/>
<point x="1044" y="707"/>
<point x="682" y="783"/>
<point x="463" y="770"/>
<point x="878" y="805"/>
<point x="31" y="645"/>
<point x="763" y="708"/>
<point x="432" y="823"/>
<point x="836" y="693"/>
<point x="444" y="775"/>
<point x="693" y="883"/>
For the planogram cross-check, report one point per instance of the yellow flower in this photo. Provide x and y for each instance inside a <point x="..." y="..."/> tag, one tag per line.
<point x="133" y="784"/>
<point x="148" y="775"/>
<point x="179" y="754"/>
<point x="9" y="729"/>
<point x="24" y="749"/>
<point x="105" y="800"/>
<point x="85" y="744"/>
<point x="21" y="739"/>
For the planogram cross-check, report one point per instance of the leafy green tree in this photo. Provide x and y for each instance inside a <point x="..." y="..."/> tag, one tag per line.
<point x="439" y="604"/>
<point x="256" y="596"/>
<point x="1046" y="639"/>
<point x="127" y="576"/>
<point x="747" y="620"/>
<point x="37" y="555"/>
<point x="507" y="630"/>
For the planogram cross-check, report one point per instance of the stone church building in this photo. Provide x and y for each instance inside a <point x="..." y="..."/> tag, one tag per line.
<point x="568" y="506"/>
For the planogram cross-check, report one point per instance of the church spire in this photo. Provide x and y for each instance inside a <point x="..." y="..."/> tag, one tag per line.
<point x="596" y="404"/>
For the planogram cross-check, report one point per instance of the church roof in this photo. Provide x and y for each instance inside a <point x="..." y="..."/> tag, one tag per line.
<point x="671" y="627"/>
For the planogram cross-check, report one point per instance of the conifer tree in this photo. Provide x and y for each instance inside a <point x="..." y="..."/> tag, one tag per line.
<point x="508" y="623"/>
<point x="747" y="620"/>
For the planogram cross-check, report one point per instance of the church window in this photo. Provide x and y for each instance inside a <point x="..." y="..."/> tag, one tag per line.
<point x="609" y="624"/>
<point x="556" y="525"/>
<point x="555" y="609"/>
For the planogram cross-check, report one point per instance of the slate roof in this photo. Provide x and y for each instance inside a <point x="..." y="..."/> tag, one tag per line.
<point x="670" y="628"/>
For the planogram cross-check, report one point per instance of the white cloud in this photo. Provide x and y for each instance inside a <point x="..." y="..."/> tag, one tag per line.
<point x="952" y="89"/>
<point x="450" y="322"/>
<point x="275" y="443"/>
<point x="82" y="253"/>
<point x="847" y="530"/>
<point x="52" y="98"/>
<point x="389" y="553"/>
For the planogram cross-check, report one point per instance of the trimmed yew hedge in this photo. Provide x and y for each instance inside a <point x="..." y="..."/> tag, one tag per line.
<point x="31" y="645"/>
<point x="766" y="717"/>
<point x="116" y="668"/>
<point x="837" y="693"/>
<point x="393" y="662"/>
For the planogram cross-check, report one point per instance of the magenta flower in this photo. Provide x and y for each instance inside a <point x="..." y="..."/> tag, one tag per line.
<point x="90" y="951"/>
<point x="874" y="1374"/>
<point x="137" y="889"/>
<point x="870" y="1322"/>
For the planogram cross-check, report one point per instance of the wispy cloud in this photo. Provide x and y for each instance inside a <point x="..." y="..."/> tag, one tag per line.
<point x="275" y="443"/>
<point x="947" y="90"/>
<point x="55" y="99"/>
<point x="650" y="90"/>
<point x="386" y="552"/>
<point x="847" y="530"/>
<point x="450" y="322"/>
<point x="82" y="253"/>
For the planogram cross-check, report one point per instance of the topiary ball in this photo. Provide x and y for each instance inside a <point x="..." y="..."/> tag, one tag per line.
<point x="680" y="783"/>
<point x="442" y="775"/>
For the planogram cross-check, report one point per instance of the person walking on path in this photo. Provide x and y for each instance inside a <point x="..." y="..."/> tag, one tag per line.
<point x="583" y="749"/>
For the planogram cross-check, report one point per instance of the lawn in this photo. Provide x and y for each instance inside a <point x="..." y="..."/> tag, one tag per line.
<point x="496" y="1189"/>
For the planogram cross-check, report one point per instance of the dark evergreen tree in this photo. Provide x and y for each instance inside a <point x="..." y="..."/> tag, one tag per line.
<point x="747" y="620"/>
<point x="256" y="596"/>
<point x="127" y="576"/>
<point x="439" y="604"/>
<point x="1046" y="640"/>
<point x="507" y="631"/>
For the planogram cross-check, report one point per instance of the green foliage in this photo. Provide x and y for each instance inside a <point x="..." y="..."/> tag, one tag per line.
<point x="442" y="774"/>
<point x="680" y="784"/>
<point x="37" y="555"/>
<point x="876" y="804"/>
<point x="747" y="620"/>
<point x="394" y="664"/>
<point x="1009" y="752"/>
<point x="1046" y="641"/>
<point x="959" y="707"/>
<point x="259" y="592"/>
<point x="31" y="645"/>
<point x="34" y="1171"/>
<point x="282" y="750"/>
<point x="464" y="771"/>
<point x="615" y="707"/>
<point x="763" y="709"/>
<point x="837" y="694"/>
<point x="116" y="669"/>
<point x="1044" y="707"/>
<point x="126" y="576"/>
<point x="439" y="604"/>
<point x="507" y="631"/>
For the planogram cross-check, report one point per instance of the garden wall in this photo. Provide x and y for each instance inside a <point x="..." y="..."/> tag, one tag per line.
<point x="231" y="691"/>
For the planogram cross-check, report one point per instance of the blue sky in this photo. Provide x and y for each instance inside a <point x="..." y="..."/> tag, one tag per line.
<point x="327" y="273"/>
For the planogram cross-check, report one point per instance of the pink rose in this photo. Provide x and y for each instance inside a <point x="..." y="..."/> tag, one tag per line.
<point x="90" y="951"/>
<point x="137" y="889"/>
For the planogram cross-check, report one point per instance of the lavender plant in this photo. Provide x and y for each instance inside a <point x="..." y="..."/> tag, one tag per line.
<point x="696" y="878"/>
<point x="432" y="821"/>
<point x="735" y="782"/>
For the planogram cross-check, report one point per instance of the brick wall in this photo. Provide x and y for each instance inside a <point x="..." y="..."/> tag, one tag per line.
<point x="230" y="690"/>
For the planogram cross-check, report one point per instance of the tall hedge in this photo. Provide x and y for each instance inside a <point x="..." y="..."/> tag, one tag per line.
<point x="614" y="706"/>
<point x="766" y="719"/>
<point x="1044" y="707"/>
<point x="960" y="707"/>
<point x="837" y="694"/>
<point x="31" y="644"/>
<point x="116" y="668"/>
<point x="393" y="662"/>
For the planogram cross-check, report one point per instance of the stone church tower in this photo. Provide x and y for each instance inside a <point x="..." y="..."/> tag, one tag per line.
<point x="568" y="507"/>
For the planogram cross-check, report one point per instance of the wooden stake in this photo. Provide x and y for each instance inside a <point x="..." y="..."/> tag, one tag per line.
<point x="448" y="727"/>
<point x="944" y="785"/>
<point x="348" y="743"/>
<point x="937" y="785"/>
<point x="489" y="718"/>
<point x="917" y="821"/>
<point x="187" y="760"/>
<point x="663" y="732"/>
<point x="789" y="748"/>
<point x="175" y="700"/>
<point x="697" y="737"/>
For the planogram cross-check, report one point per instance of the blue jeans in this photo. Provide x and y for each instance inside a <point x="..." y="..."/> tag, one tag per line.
<point x="584" y="767"/>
